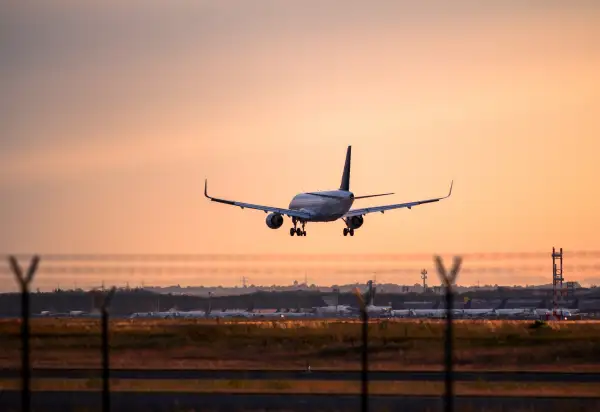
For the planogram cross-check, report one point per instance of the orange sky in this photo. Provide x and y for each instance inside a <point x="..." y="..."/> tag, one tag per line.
<point x="114" y="114"/>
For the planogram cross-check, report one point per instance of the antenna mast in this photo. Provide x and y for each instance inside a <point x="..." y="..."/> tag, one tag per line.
<point x="424" y="277"/>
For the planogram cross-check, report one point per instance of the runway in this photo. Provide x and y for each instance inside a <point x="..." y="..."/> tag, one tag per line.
<point x="321" y="375"/>
<point x="170" y="401"/>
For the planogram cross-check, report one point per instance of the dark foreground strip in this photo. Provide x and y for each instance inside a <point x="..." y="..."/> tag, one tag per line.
<point x="169" y="401"/>
<point x="303" y="375"/>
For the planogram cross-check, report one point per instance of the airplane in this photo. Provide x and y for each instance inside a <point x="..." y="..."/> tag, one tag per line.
<point x="429" y="313"/>
<point x="469" y="312"/>
<point x="324" y="206"/>
<point x="561" y="312"/>
<point x="371" y="308"/>
<point x="192" y="314"/>
<point x="332" y="309"/>
<point x="401" y="313"/>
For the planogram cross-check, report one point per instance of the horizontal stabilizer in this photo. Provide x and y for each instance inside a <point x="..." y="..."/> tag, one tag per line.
<point x="324" y="195"/>
<point x="366" y="196"/>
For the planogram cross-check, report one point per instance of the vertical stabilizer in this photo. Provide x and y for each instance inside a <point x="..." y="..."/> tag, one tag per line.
<point x="346" y="176"/>
<point x="369" y="294"/>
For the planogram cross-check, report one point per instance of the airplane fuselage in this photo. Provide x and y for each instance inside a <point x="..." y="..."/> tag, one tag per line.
<point x="326" y="206"/>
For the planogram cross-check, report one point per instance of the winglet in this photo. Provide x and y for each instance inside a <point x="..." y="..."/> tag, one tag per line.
<point x="450" y="191"/>
<point x="205" y="188"/>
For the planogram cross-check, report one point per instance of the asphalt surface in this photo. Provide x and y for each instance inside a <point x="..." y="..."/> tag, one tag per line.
<point x="169" y="401"/>
<point x="303" y="375"/>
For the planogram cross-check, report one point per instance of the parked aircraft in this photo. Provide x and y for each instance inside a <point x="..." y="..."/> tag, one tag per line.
<point x="192" y="314"/>
<point x="542" y="310"/>
<point x="468" y="312"/>
<point x="332" y="310"/>
<point x="369" y="297"/>
<point x="324" y="206"/>
<point x="402" y="313"/>
<point x="430" y="313"/>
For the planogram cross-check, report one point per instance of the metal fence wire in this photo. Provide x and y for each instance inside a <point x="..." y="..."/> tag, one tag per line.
<point x="24" y="279"/>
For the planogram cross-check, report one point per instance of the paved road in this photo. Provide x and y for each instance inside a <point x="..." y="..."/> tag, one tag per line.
<point x="169" y="401"/>
<point x="303" y="375"/>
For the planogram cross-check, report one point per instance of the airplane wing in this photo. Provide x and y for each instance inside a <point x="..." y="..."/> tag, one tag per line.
<point x="288" y="212"/>
<point x="409" y="205"/>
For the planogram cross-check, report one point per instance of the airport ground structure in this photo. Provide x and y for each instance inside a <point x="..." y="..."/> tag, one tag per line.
<point x="127" y="302"/>
<point x="301" y="349"/>
<point x="138" y="302"/>
<point x="417" y="294"/>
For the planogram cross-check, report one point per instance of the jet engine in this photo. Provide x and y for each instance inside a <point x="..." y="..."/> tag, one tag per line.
<point x="355" y="222"/>
<point x="274" y="220"/>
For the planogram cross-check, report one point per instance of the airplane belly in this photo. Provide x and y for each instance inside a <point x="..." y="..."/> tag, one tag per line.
<point x="323" y="209"/>
<point x="329" y="210"/>
<point x="306" y="202"/>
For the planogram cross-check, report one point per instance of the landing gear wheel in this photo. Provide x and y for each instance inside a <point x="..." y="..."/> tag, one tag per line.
<point x="345" y="231"/>
<point x="304" y="233"/>
<point x="298" y="231"/>
<point x="351" y="231"/>
<point x="292" y="231"/>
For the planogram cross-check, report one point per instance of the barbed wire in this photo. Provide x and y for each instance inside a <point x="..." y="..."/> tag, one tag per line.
<point x="98" y="257"/>
<point x="197" y="270"/>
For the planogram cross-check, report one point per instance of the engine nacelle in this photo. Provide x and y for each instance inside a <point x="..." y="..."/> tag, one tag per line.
<point x="355" y="222"/>
<point x="274" y="220"/>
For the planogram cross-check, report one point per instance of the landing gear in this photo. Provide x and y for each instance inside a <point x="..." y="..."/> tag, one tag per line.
<point x="348" y="230"/>
<point x="296" y="230"/>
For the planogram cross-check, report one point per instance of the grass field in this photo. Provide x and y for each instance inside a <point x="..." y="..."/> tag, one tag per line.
<point x="397" y="344"/>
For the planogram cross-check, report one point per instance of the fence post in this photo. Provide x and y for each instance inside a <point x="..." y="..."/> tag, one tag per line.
<point x="365" y="352"/>
<point x="105" y="351"/>
<point x="24" y="282"/>
<point x="448" y="278"/>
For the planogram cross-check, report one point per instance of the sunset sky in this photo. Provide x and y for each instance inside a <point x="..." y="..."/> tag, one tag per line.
<point x="113" y="114"/>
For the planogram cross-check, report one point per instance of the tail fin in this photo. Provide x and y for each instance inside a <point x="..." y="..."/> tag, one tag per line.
<point x="346" y="176"/>
<point x="369" y="293"/>
<point x="502" y="304"/>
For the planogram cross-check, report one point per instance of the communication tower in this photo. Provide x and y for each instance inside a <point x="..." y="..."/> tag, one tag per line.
<point x="557" y="278"/>
<point x="424" y="277"/>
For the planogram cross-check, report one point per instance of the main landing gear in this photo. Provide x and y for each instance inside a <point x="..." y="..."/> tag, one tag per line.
<point x="296" y="230"/>
<point x="348" y="229"/>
